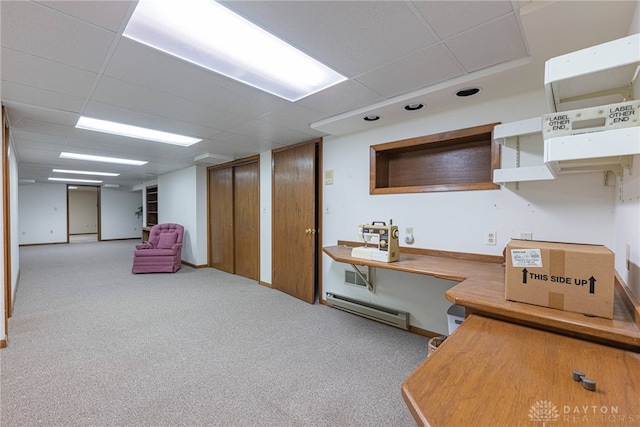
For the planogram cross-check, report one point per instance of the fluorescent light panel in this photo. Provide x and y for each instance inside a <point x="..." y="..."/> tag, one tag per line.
<point x="208" y="34"/>
<point x="91" y="158"/>
<point x="85" y="172"/>
<point x="89" y="181"/>
<point x="121" y="129"/>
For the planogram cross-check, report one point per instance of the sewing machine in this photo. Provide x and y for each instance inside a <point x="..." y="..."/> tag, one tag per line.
<point x="380" y="242"/>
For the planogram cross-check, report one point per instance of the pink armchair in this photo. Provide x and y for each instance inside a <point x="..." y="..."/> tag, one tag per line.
<point x="162" y="253"/>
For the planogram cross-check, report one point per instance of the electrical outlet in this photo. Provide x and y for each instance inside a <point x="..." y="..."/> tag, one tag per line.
<point x="408" y="236"/>
<point x="491" y="238"/>
<point x="526" y="236"/>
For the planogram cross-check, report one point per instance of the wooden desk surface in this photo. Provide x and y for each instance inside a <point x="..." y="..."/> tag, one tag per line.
<point x="487" y="298"/>
<point x="438" y="266"/>
<point x="482" y="291"/>
<point x="494" y="373"/>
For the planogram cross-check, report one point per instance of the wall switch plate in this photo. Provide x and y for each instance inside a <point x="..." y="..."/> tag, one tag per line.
<point x="526" y="236"/>
<point x="328" y="177"/>
<point x="491" y="238"/>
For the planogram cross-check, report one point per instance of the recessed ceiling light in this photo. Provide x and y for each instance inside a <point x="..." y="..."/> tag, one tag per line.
<point x="413" y="106"/>
<point x="76" y="156"/>
<point x="89" y="181"/>
<point x="208" y="34"/>
<point x="85" y="172"/>
<point x="371" y="118"/>
<point x="467" y="91"/>
<point x="121" y="129"/>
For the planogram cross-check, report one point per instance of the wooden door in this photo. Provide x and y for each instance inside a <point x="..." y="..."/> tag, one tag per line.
<point x="246" y="214"/>
<point x="294" y="221"/>
<point x="221" y="253"/>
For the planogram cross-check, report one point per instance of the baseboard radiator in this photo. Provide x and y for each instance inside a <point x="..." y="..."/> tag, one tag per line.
<point x="399" y="319"/>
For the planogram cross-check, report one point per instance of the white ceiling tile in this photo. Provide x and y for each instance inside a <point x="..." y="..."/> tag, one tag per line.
<point x="35" y="136"/>
<point x="138" y="118"/>
<point x="57" y="122"/>
<point x="107" y="14"/>
<point x="448" y="18"/>
<point x="495" y="43"/>
<point x="21" y="94"/>
<point x="35" y="154"/>
<point x="194" y="82"/>
<point x="294" y="117"/>
<point x="264" y="131"/>
<point x="349" y="36"/>
<point x="423" y="68"/>
<point x="165" y="106"/>
<point x="36" y="72"/>
<point x="342" y="97"/>
<point x="58" y="37"/>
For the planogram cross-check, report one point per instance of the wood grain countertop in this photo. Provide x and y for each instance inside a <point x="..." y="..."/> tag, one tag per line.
<point x="481" y="290"/>
<point x="495" y="373"/>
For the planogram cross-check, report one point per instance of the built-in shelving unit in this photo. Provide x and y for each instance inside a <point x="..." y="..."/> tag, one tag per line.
<point x="610" y="150"/>
<point x="603" y="74"/>
<point x="598" y="75"/>
<point x="152" y="205"/>
<point x="457" y="160"/>
<point x="522" y="149"/>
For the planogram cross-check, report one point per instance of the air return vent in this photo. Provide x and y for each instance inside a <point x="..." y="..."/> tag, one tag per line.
<point x="399" y="319"/>
<point x="351" y="278"/>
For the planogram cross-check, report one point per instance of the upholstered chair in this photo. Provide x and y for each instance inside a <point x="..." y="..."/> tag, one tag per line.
<point x="162" y="253"/>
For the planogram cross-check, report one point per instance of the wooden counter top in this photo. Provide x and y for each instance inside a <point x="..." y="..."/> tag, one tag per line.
<point x="494" y="373"/>
<point x="442" y="267"/>
<point x="487" y="298"/>
<point x="482" y="291"/>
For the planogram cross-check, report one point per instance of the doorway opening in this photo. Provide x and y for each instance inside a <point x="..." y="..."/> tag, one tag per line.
<point x="83" y="218"/>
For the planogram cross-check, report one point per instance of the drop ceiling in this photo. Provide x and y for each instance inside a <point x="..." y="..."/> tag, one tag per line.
<point x="63" y="59"/>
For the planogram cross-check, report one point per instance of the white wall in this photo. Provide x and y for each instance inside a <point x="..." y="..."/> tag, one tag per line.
<point x="117" y="214"/>
<point x="42" y="209"/>
<point x="182" y="199"/>
<point x="575" y="208"/>
<point x="627" y="228"/>
<point x="627" y="218"/>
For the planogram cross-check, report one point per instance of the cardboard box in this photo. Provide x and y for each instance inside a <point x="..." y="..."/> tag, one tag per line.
<point x="564" y="276"/>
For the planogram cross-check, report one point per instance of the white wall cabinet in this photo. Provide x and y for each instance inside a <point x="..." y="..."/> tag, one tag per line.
<point x="598" y="75"/>
<point x="603" y="74"/>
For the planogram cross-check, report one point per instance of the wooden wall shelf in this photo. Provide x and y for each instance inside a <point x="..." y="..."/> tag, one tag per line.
<point x="450" y="161"/>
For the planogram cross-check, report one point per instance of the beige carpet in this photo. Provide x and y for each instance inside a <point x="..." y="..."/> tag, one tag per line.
<point x="90" y="344"/>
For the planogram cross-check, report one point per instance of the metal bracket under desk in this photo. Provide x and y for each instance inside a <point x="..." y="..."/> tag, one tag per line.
<point x="368" y="279"/>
